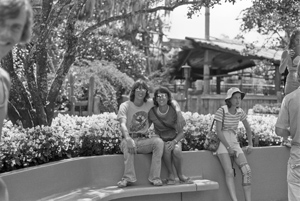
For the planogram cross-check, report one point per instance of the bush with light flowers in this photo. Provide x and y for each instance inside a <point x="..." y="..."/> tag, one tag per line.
<point x="263" y="131"/>
<point x="196" y="129"/>
<point x="69" y="136"/>
<point x="73" y="136"/>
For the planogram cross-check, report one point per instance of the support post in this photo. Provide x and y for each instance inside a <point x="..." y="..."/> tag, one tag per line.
<point x="187" y="75"/>
<point x="91" y="95"/>
<point x="206" y="71"/>
<point x="218" y="87"/>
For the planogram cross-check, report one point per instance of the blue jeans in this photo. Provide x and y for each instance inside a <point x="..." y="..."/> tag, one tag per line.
<point x="293" y="179"/>
<point x="153" y="145"/>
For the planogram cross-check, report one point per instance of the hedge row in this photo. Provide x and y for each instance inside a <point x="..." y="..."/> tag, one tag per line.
<point x="73" y="136"/>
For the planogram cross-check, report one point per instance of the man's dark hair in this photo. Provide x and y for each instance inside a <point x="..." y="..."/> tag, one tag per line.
<point x="138" y="84"/>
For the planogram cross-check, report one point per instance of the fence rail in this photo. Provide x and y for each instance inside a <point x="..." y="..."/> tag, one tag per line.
<point x="208" y="104"/>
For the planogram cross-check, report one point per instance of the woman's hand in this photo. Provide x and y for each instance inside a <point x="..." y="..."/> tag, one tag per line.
<point x="171" y="145"/>
<point x="231" y="152"/>
<point x="249" y="149"/>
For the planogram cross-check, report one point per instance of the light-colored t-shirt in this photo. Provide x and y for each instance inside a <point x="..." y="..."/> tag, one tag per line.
<point x="231" y="121"/>
<point x="288" y="118"/>
<point x="136" y="117"/>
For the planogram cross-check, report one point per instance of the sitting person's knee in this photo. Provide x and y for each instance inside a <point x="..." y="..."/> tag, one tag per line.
<point x="177" y="152"/>
<point x="158" y="142"/>
<point x="246" y="174"/>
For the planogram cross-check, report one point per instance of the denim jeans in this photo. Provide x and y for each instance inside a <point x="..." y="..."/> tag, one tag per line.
<point x="293" y="179"/>
<point x="153" y="145"/>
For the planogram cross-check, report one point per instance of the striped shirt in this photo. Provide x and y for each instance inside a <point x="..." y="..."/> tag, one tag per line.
<point x="231" y="121"/>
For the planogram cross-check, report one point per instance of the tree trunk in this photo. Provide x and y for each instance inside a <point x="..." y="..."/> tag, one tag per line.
<point x="68" y="60"/>
<point x="19" y="107"/>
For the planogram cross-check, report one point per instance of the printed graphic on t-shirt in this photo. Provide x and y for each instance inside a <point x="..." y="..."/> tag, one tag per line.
<point x="139" y="121"/>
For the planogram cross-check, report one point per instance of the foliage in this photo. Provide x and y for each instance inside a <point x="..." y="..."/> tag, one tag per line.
<point x="55" y="45"/>
<point x="72" y="136"/>
<point x="267" y="108"/>
<point x="68" y="137"/>
<point x="162" y="75"/>
<point x="100" y="46"/>
<point x="196" y="129"/>
<point x="272" y="17"/>
<point x="263" y="131"/>
<point x="110" y="83"/>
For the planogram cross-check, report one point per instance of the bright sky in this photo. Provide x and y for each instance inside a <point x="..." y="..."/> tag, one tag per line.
<point x="222" y="22"/>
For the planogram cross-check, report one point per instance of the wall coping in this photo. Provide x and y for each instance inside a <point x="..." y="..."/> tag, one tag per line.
<point x="268" y="165"/>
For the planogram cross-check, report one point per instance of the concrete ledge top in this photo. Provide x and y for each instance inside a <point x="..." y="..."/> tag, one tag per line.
<point x="113" y="192"/>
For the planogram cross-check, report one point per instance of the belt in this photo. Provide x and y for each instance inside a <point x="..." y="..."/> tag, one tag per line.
<point x="137" y="135"/>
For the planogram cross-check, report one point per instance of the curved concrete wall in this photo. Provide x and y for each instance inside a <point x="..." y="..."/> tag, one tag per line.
<point x="268" y="166"/>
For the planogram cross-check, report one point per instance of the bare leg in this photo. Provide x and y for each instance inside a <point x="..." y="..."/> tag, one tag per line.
<point x="167" y="157"/>
<point x="229" y="175"/>
<point x="177" y="159"/>
<point x="241" y="159"/>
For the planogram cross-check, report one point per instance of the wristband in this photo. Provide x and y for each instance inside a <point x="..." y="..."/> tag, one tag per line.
<point x="228" y="147"/>
<point x="175" y="141"/>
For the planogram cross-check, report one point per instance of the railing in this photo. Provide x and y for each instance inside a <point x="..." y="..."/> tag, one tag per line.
<point x="208" y="104"/>
<point x="253" y="89"/>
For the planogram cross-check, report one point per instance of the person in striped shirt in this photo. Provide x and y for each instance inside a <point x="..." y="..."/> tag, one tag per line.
<point x="229" y="148"/>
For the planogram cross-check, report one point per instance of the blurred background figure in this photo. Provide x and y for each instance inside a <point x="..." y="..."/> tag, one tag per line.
<point x="15" y="27"/>
<point x="289" y="59"/>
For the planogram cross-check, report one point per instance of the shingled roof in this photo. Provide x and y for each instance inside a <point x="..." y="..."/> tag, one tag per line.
<point x="226" y="56"/>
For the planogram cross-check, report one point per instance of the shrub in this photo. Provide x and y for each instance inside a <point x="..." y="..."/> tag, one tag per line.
<point x="272" y="108"/>
<point x="127" y="58"/>
<point x="73" y="136"/>
<point x="110" y="83"/>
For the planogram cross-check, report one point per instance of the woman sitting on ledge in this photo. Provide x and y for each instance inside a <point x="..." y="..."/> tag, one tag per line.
<point x="164" y="118"/>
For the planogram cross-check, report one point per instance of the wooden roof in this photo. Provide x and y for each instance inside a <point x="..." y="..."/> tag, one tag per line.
<point x="226" y="56"/>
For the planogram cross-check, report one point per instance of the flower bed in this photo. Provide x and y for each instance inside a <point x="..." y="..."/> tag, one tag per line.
<point x="273" y="108"/>
<point x="99" y="134"/>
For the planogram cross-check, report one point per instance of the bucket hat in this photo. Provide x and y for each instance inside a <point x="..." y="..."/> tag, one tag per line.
<point x="233" y="90"/>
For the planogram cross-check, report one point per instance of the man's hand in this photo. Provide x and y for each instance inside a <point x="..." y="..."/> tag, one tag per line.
<point x="131" y="145"/>
<point x="291" y="53"/>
